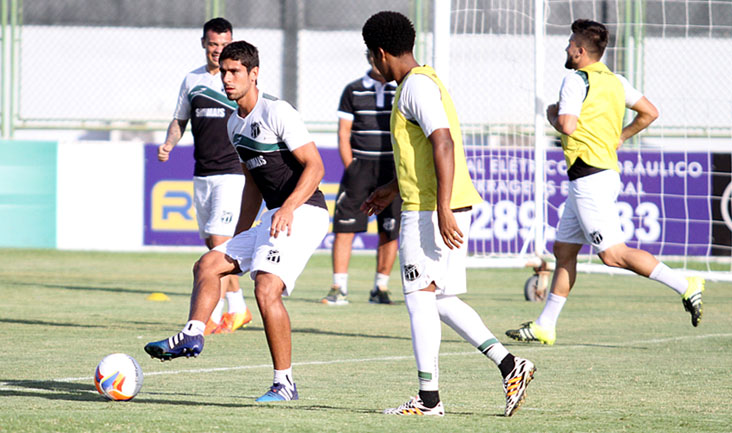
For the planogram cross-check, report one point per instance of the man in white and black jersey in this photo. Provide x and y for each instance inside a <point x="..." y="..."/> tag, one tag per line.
<point x="283" y="167"/>
<point x="217" y="177"/>
<point x="364" y="143"/>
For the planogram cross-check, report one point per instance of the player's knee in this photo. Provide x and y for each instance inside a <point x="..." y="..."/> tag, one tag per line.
<point x="564" y="254"/>
<point x="612" y="257"/>
<point x="267" y="291"/>
<point x="205" y="265"/>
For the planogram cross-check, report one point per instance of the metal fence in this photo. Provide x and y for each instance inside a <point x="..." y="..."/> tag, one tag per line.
<point x="117" y="64"/>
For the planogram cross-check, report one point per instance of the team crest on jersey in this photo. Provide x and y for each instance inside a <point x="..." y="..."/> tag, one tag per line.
<point x="596" y="237"/>
<point x="411" y="272"/>
<point x="273" y="256"/>
<point x="255" y="129"/>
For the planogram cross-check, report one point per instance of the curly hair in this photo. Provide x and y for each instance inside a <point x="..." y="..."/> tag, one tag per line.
<point x="217" y="25"/>
<point x="242" y="51"/>
<point x="391" y="31"/>
<point x="591" y="35"/>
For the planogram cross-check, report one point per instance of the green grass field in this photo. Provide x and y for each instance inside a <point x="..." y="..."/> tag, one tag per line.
<point x="626" y="357"/>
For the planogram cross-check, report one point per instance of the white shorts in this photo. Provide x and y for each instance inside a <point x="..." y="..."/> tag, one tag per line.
<point x="285" y="256"/>
<point x="590" y="213"/>
<point x="424" y="257"/>
<point x="218" y="202"/>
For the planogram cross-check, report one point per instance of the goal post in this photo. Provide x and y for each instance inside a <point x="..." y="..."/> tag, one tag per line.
<point x="505" y="63"/>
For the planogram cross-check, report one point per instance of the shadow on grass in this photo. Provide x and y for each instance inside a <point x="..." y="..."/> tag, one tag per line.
<point x="45" y="323"/>
<point x="116" y="325"/>
<point x="49" y="389"/>
<point x="570" y="346"/>
<point x="315" y="331"/>
<point x="395" y="302"/>
<point x="348" y="334"/>
<point x="57" y="390"/>
<point x="101" y="289"/>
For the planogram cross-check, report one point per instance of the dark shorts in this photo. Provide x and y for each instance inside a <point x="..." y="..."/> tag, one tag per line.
<point x="361" y="178"/>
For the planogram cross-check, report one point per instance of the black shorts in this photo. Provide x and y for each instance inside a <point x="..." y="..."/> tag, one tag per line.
<point x="359" y="180"/>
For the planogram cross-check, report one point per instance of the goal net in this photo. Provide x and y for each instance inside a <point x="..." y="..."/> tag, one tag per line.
<point x="506" y="63"/>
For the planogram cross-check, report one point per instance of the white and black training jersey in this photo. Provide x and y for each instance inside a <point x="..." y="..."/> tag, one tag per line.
<point x="264" y="140"/>
<point x="203" y="101"/>
<point x="367" y="103"/>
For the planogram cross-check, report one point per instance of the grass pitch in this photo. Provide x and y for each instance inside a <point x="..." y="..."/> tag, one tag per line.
<point x="626" y="357"/>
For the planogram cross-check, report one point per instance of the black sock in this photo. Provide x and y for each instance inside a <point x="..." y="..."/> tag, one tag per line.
<point x="430" y="398"/>
<point x="507" y="365"/>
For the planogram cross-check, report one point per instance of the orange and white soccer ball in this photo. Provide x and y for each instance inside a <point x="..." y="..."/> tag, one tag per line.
<point x="118" y="377"/>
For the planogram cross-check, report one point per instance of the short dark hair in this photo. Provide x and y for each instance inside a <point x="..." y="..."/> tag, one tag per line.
<point x="242" y="51"/>
<point x="591" y="35"/>
<point x="217" y="25"/>
<point x="391" y="31"/>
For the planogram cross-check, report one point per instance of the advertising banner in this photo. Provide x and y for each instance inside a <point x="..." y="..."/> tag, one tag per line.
<point x="170" y="217"/>
<point x="667" y="204"/>
<point x="664" y="204"/>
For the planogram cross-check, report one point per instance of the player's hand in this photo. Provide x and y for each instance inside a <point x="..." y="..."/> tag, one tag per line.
<point x="281" y="222"/>
<point x="378" y="200"/>
<point x="164" y="152"/>
<point x="449" y="230"/>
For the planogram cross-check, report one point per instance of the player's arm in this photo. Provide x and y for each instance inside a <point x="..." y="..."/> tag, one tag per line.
<point x="251" y="201"/>
<point x="421" y="101"/>
<point x="344" y="141"/>
<point x="564" y="114"/>
<point x="312" y="174"/>
<point x="176" y="128"/>
<point x="443" y="153"/>
<point x="646" y="114"/>
<point x="563" y="123"/>
<point x="380" y="198"/>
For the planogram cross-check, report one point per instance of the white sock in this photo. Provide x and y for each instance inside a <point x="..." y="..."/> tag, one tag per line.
<point x="284" y="377"/>
<point x="463" y="319"/>
<point x="381" y="280"/>
<point x="236" y="302"/>
<point x="194" y="327"/>
<point x="674" y="279"/>
<point x="341" y="280"/>
<point x="218" y="312"/>
<point x="426" y="336"/>
<point x="550" y="314"/>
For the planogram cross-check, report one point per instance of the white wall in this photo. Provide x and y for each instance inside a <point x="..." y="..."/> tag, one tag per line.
<point x="100" y="195"/>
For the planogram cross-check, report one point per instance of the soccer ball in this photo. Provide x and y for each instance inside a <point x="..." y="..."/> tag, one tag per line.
<point x="118" y="377"/>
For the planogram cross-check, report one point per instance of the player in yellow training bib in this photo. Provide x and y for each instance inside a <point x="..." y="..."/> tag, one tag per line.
<point x="437" y="195"/>
<point x="589" y="115"/>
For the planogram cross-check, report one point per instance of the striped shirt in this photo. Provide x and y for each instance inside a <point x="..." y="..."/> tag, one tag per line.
<point x="367" y="103"/>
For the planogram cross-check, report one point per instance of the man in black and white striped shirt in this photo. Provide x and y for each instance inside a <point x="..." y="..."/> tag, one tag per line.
<point x="364" y="143"/>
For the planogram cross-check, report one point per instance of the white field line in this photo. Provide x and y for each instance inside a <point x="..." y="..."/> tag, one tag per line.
<point x="527" y="348"/>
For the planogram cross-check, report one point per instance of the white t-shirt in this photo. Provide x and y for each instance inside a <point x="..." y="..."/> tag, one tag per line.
<point x="573" y="91"/>
<point x="421" y="102"/>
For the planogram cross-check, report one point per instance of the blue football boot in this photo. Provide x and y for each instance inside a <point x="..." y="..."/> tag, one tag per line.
<point x="178" y="345"/>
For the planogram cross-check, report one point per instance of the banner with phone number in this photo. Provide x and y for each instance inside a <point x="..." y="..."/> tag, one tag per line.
<point x="664" y="204"/>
